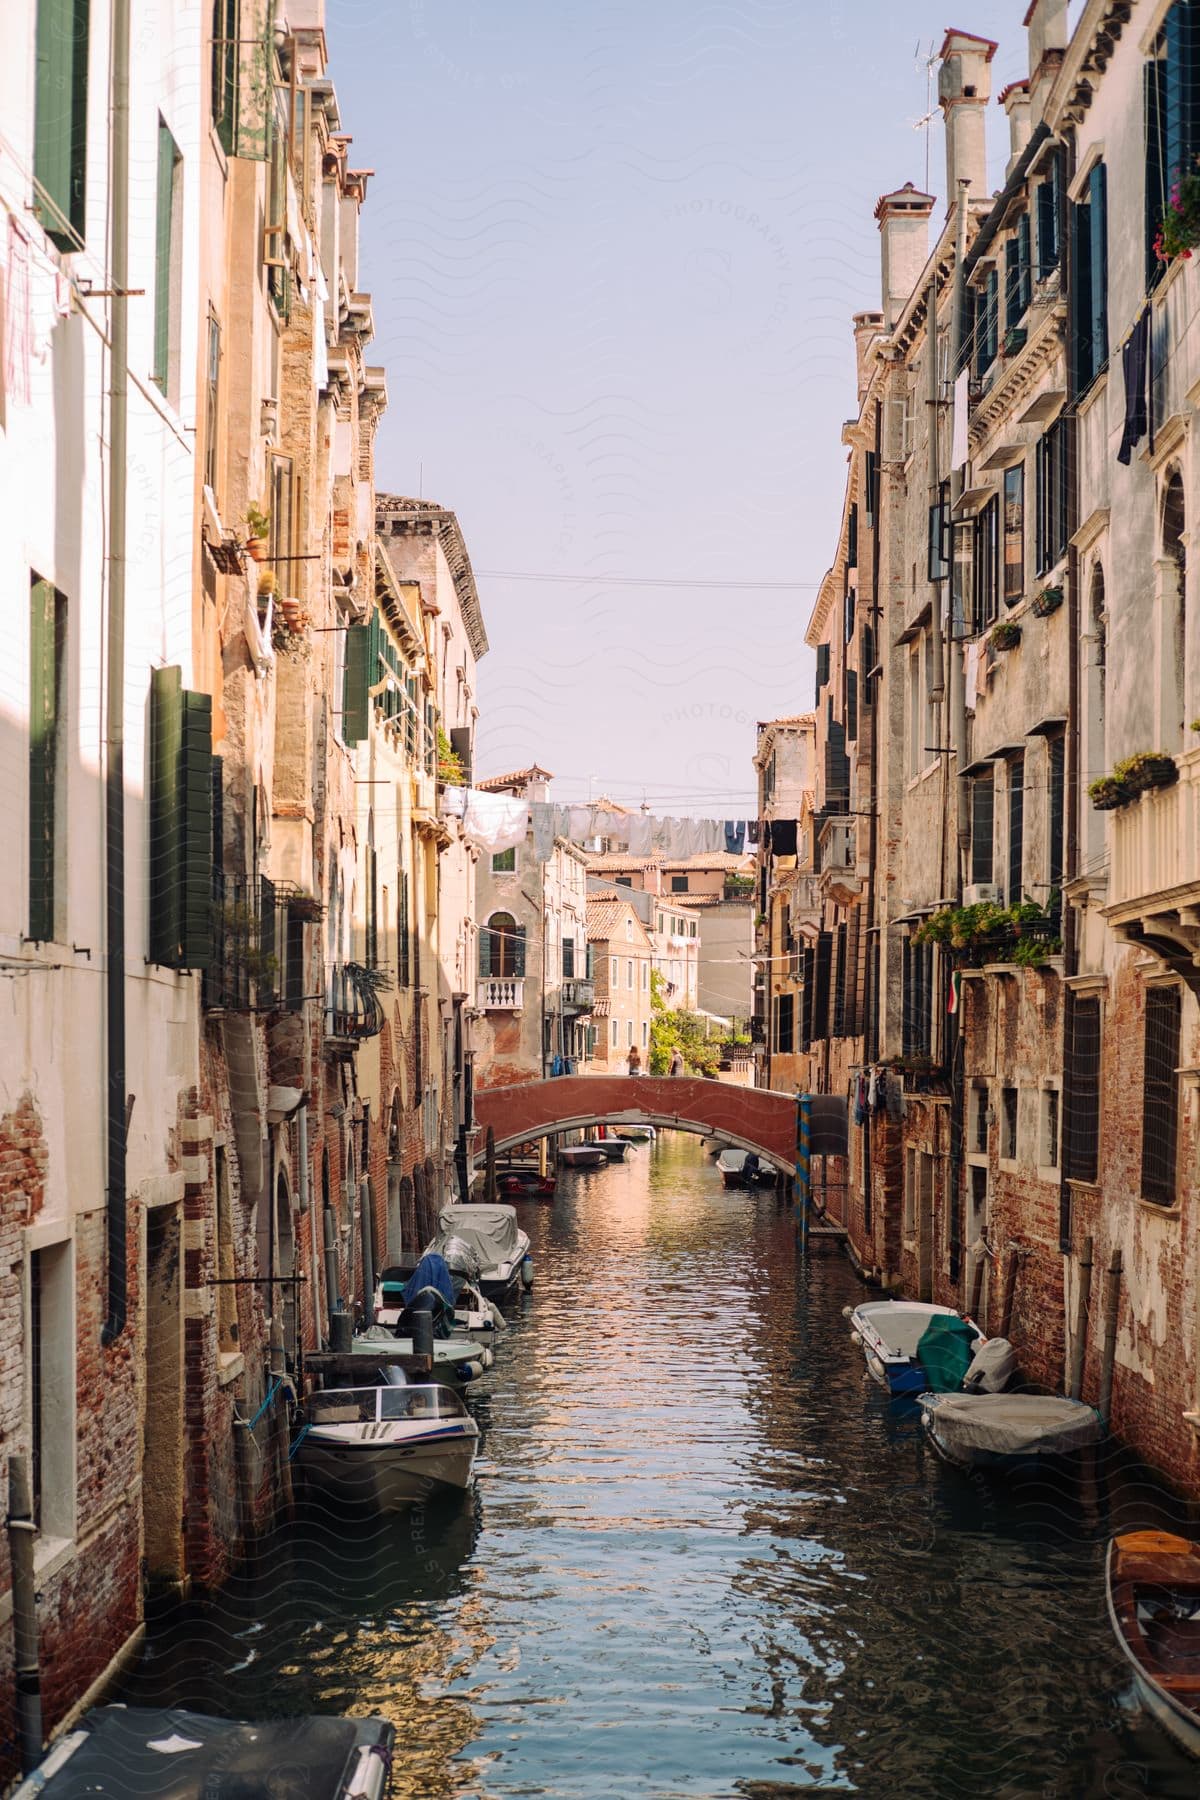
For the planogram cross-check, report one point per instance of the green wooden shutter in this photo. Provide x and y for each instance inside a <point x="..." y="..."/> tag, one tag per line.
<point x="1024" y="264"/>
<point x="372" y="957"/>
<point x="354" y="698"/>
<point x="253" y="30"/>
<point x="519" y="951"/>
<point x="168" y="156"/>
<point x="485" y="951"/>
<point x="181" y="823"/>
<point x="1156" y="186"/>
<point x="43" y="754"/>
<point x="1098" y="248"/>
<point x="60" y="119"/>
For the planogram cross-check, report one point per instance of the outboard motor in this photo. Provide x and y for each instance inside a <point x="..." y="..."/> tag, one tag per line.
<point x="461" y="1261"/>
<point x="434" y="1302"/>
<point x="991" y="1368"/>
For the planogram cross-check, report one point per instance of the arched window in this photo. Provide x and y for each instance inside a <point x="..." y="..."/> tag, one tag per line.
<point x="502" y="946"/>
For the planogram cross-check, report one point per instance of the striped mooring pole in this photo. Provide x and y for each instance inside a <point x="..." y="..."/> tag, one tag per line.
<point x="802" y="1186"/>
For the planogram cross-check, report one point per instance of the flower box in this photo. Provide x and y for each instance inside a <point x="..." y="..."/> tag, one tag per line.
<point x="1006" y="635"/>
<point x="1148" y="769"/>
<point x="1107" y="794"/>
<point x="1047" y="602"/>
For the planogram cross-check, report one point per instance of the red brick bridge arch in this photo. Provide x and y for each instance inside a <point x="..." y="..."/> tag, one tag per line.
<point x="752" y="1118"/>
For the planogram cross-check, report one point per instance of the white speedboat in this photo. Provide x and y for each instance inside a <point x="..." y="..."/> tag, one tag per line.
<point x="1153" y="1584"/>
<point x="888" y="1332"/>
<point x="1005" y="1431"/>
<point x="456" y="1360"/>
<point x="473" y="1316"/>
<point x="387" y="1447"/>
<point x="499" y="1245"/>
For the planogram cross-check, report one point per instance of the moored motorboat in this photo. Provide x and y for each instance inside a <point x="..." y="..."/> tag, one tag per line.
<point x="582" y="1156"/>
<point x="524" y="1181"/>
<point x="128" y="1752"/>
<point x="615" y="1148"/>
<point x="456" y="1360"/>
<point x="744" y="1168"/>
<point x="637" y="1134"/>
<point x="1152" y="1580"/>
<point x="459" y="1309"/>
<point x="1005" y="1431"/>
<point x="499" y="1245"/>
<point x="889" y="1331"/>
<point x="387" y="1447"/>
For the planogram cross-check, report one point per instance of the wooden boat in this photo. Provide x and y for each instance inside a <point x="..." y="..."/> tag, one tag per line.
<point x="1007" y="1431"/>
<point x="888" y="1332"/>
<point x="582" y="1156"/>
<point x="522" y="1181"/>
<point x="743" y="1168"/>
<point x="1153" y="1583"/>
<point x="615" y="1148"/>
<point x="127" y="1752"/>
<point x="387" y="1447"/>
<point x="637" y="1134"/>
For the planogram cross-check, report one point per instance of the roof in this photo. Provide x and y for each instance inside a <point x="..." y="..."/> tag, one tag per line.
<point x="397" y="514"/>
<point x="518" y="778"/>
<point x="603" y="917"/>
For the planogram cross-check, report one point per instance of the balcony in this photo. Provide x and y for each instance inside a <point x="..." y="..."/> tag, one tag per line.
<point x="352" y="1005"/>
<point x="501" y="993"/>
<point x="258" y="961"/>
<point x="837" y="880"/>
<point x="578" y="994"/>
<point x="1154" y="876"/>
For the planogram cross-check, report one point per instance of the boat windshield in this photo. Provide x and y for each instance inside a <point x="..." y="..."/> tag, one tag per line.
<point x="354" y="1406"/>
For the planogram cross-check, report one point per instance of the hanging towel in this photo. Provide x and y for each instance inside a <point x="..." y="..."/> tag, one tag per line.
<point x="714" y="837"/>
<point x="753" y="831"/>
<point x="454" y="800"/>
<point x="971" y="672"/>
<point x="1135" y="360"/>
<point x="894" y="1095"/>
<point x="495" y="821"/>
<point x="320" y="354"/>
<point x="735" y="836"/>
<point x="579" y="823"/>
<point x="543" y="830"/>
<point x="873" y="1090"/>
<point x="641" y="834"/>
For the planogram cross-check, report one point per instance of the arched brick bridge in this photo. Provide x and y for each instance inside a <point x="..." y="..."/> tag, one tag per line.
<point x="752" y="1118"/>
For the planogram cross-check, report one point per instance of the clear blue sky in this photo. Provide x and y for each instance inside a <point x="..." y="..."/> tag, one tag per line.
<point x="614" y="250"/>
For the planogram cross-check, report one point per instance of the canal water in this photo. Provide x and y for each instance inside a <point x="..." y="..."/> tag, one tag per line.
<point x="706" y="1557"/>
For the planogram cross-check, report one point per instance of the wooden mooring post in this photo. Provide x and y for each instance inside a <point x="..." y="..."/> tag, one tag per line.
<point x="1112" y="1294"/>
<point x="26" y="1670"/>
<point x="1083" y="1299"/>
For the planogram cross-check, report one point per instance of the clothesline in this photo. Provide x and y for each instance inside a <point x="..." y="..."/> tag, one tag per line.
<point x="499" y="822"/>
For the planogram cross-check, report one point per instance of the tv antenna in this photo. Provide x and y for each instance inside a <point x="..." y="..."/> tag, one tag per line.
<point x="929" y="60"/>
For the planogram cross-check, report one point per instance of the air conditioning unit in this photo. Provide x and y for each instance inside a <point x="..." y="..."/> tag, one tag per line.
<point x="979" y="893"/>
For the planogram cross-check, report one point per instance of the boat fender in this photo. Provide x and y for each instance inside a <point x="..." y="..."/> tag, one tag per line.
<point x="847" y="1312"/>
<point x="527" y="1273"/>
<point x="468" y="1371"/>
<point x="486" y="1358"/>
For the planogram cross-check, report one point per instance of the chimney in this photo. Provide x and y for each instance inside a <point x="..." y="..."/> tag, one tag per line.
<point x="964" y="87"/>
<point x="1015" y="101"/>
<point x="1046" y="23"/>
<point x="867" y="327"/>
<point x="904" y="246"/>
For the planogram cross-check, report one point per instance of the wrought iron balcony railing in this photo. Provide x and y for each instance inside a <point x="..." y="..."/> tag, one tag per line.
<point x="353" y="1010"/>
<point x="259" y="947"/>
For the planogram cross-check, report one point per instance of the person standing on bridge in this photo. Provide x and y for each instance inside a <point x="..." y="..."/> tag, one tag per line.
<point x="635" y="1061"/>
<point x="676" y="1067"/>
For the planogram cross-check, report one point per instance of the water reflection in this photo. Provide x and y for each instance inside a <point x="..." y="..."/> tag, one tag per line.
<point x="707" y="1556"/>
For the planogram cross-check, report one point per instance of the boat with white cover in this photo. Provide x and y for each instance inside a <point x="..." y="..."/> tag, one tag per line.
<point x="1152" y="1580"/>
<point x="129" y="1752"/>
<point x="500" y="1246"/>
<point x="459" y="1308"/>
<point x="888" y="1332"/>
<point x="999" y="1431"/>
<point x="387" y="1447"/>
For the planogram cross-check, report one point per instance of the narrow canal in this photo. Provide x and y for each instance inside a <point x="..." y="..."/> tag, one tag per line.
<point x="705" y="1558"/>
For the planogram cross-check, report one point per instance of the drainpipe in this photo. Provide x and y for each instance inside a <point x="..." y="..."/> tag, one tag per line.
<point x="1071" y="782"/>
<point x="937" y="684"/>
<point x="116" y="1126"/>
<point x="958" y="690"/>
<point x="309" y="1210"/>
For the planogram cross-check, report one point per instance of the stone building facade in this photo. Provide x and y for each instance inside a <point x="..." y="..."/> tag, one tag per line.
<point x="622" y="958"/>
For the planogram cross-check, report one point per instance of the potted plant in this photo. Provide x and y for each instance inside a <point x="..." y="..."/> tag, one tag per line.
<point x="292" y="611"/>
<point x="1147" y="769"/>
<point x="1048" y="601"/>
<point x="258" y="526"/>
<point x="1006" y="635"/>
<point x="1014" y="339"/>
<point x="291" y="639"/>
<point x="1107" y="793"/>
<point x="266" y="585"/>
<point x="450" y="770"/>
<point x="1179" y="228"/>
<point x="306" y="907"/>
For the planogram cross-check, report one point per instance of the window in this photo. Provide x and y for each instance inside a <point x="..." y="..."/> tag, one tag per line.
<point x="1049" y="1125"/>
<point x="623" y="881"/>
<point x="60" y="120"/>
<point x="1055" y="757"/>
<point x="1171" y="117"/>
<point x="691" y="927"/>
<point x="645" y="975"/>
<point x="1083" y="1118"/>
<point x="987" y="545"/>
<point x="679" y="884"/>
<point x="785" y="1040"/>
<point x="616" y="1026"/>
<point x="1160" y="1095"/>
<point x="1048" y="205"/>
<point x="645" y="1034"/>
<point x="168" y="264"/>
<point x="1051" y="521"/>
<point x="212" y="396"/>
<point x="987" y="322"/>
<point x="504" y="862"/>
<point x="629" y="1032"/>
<point x="629" y="972"/>
<point x="980" y="1107"/>
<point x="51" y="1365"/>
<point x="568" y="958"/>
<point x="283" y="543"/>
<point x="962" y="594"/>
<point x="938" y="548"/>
<point x="1016" y="827"/>
<point x="227" y="1312"/>
<point x="1009" y="1098"/>
<point x="658" y="923"/>
<point x="1089" y="284"/>
<point x="629" y="931"/>
<point x="915" y="711"/>
<point x="871" y="487"/>
<point x="1014" y="534"/>
<point x="917" y="992"/>
<point x="181" y="823"/>
<point x="614" y="971"/>
<point x="502" y="947"/>
<point x="1017" y="293"/>
<point x="403" y="949"/>
<point x="852" y="538"/>
<point x="225" y="34"/>
<point x="589" y="962"/>
<point x="47" y="757"/>
<point x="909" y="1224"/>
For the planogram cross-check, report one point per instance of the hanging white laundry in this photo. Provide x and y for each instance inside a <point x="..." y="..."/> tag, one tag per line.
<point x="958" y="447"/>
<point x="258" y="635"/>
<point x="971" y="671"/>
<point x="641" y="834"/>
<point x="495" y="821"/>
<point x="454" y="800"/>
<point x="320" y="352"/>
<point x="543" y="830"/>
<point x="579" y="824"/>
